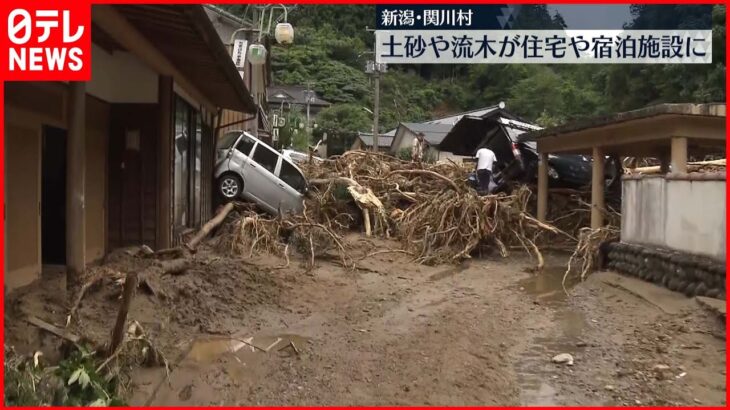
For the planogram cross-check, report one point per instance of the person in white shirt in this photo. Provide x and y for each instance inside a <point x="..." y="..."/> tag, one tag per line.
<point x="485" y="163"/>
<point x="418" y="148"/>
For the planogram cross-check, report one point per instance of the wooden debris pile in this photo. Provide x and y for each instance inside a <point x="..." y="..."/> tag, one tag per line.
<point x="712" y="166"/>
<point x="429" y="208"/>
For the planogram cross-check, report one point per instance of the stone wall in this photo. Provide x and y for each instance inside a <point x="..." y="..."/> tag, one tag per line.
<point x="693" y="275"/>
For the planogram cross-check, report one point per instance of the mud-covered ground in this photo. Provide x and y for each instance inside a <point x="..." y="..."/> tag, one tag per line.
<point x="249" y="332"/>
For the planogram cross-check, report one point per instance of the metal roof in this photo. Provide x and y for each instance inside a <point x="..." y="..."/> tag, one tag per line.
<point x="453" y="119"/>
<point x="293" y="94"/>
<point x="433" y="133"/>
<point x="472" y="132"/>
<point x="383" y="140"/>
<point x="706" y="110"/>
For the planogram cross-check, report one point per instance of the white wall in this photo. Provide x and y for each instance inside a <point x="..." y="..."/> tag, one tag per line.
<point x="445" y="156"/>
<point x="686" y="215"/>
<point x="121" y="78"/>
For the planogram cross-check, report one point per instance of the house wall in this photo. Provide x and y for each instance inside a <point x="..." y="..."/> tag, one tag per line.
<point x="446" y="156"/>
<point x="403" y="140"/>
<point x="120" y="77"/>
<point x="357" y="145"/>
<point x="28" y="107"/>
<point x="682" y="214"/>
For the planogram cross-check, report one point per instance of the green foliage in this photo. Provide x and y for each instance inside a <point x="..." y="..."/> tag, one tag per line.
<point x="294" y="133"/>
<point x="342" y="122"/>
<point x="405" y="154"/>
<point x="86" y="386"/>
<point x="74" y="382"/>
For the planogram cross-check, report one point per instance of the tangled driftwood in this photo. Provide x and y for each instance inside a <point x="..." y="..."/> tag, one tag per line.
<point x="429" y="208"/>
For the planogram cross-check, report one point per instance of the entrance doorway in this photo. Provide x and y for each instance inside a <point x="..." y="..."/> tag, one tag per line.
<point x="53" y="196"/>
<point x="133" y="175"/>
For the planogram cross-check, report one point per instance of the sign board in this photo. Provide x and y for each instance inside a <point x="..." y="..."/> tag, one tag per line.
<point x="239" y="55"/>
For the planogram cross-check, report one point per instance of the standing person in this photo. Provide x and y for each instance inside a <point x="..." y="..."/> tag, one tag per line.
<point x="418" y="147"/>
<point x="485" y="162"/>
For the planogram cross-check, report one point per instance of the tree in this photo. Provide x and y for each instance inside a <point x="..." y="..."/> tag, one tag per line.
<point x="342" y="122"/>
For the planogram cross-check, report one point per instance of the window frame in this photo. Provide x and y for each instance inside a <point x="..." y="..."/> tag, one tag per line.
<point x="301" y="174"/>
<point x="252" y="157"/>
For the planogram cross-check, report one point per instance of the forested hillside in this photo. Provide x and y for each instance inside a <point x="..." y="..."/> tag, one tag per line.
<point x="330" y="49"/>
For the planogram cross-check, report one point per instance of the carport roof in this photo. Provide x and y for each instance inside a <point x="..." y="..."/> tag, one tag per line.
<point x="640" y="132"/>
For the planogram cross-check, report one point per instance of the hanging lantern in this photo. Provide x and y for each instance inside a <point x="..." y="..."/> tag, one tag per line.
<point x="284" y="33"/>
<point x="257" y="54"/>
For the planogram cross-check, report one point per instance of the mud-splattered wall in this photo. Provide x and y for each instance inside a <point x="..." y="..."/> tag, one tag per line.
<point x="682" y="212"/>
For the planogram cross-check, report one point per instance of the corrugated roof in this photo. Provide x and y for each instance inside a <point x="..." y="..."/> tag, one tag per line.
<point x="453" y="119"/>
<point x="383" y="140"/>
<point x="294" y="94"/>
<point x="433" y="133"/>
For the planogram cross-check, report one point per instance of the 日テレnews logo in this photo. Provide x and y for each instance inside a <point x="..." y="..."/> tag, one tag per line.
<point x="47" y="41"/>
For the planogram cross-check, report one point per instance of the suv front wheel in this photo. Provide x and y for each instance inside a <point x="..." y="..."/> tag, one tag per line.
<point x="229" y="187"/>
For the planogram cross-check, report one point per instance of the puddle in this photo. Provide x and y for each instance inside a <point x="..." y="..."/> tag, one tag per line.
<point x="547" y="285"/>
<point x="209" y="350"/>
<point x="535" y="371"/>
<point x="210" y="362"/>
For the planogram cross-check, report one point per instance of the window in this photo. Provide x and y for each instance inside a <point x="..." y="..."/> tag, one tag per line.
<point x="197" y="170"/>
<point x="292" y="176"/>
<point x="245" y="145"/>
<point x="265" y="157"/>
<point x="181" y="184"/>
<point x="190" y="130"/>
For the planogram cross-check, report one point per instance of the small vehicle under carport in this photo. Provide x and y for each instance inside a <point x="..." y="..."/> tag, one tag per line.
<point x="249" y="169"/>
<point x="517" y="157"/>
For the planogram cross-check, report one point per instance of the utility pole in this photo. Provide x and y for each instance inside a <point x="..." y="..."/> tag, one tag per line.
<point x="376" y="111"/>
<point x="309" y="96"/>
<point x="375" y="69"/>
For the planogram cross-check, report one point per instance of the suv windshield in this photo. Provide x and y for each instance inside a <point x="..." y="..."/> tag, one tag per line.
<point x="227" y="140"/>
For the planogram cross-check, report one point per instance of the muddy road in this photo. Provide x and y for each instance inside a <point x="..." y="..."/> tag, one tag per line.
<point x="482" y="333"/>
<point x="257" y="331"/>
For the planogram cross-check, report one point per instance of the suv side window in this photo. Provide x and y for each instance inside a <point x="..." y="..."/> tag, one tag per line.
<point x="292" y="176"/>
<point x="266" y="157"/>
<point x="245" y="145"/>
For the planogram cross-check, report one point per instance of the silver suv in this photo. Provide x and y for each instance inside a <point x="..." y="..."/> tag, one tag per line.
<point x="250" y="169"/>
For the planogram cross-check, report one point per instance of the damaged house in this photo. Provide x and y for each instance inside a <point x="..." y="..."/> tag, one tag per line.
<point x="125" y="158"/>
<point x="437" y="131"/>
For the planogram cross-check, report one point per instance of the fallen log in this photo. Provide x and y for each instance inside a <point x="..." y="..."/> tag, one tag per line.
<point x="209" y="226"/>
<point x="62" y="333"/>
<point x="130" y="284"/>
<point x="169" y="252"/>
<point x="338" y="180"/>
<point x="96" y="277"/>
<point x="424" y="172"/>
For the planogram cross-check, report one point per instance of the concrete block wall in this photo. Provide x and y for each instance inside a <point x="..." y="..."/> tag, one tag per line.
<point x="680" y="212"/>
